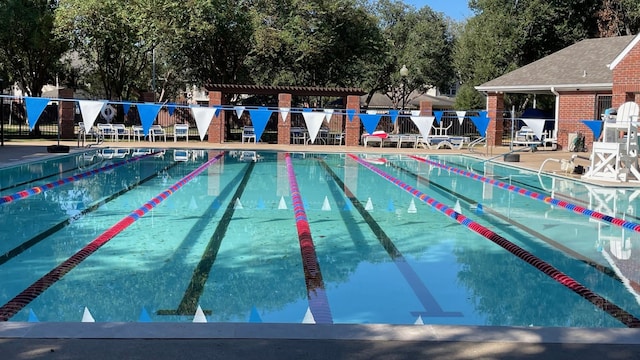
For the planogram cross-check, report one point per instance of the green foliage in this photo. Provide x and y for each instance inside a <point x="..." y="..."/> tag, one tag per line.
<point x="29" y="51"/>
<point x="469" y="98"/>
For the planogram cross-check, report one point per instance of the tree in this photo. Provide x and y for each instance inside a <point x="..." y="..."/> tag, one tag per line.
<point x="29" y="51"/>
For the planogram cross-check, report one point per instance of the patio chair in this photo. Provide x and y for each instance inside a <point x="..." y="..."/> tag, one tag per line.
<point x="106" y="130"/>
<point x="138" y="133"/>
<point x="121" y="131"/>
<point x="248" y="134"/>
<point x="156" y="131"/>
<point x="180" y="130"/>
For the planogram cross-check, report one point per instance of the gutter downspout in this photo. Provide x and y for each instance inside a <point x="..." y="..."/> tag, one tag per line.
<point x="556" y="125"/>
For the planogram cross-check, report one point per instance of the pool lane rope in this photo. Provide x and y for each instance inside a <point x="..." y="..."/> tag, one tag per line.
<point x="13" y="306"/>
<point x="600" y="302"/>
<point x="42" y="188"/>
<point x="316" y="294"/>
<point x="629" y="225"/>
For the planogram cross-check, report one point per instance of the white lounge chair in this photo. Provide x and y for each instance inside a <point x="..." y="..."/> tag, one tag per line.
<point x="180" y="130"/>
<point x="106" y="130"/>
<point x="248" y="134"/>
<point x="121" y="131"/>
<point x="156" y="131"/>
<point x="180" y="155"/>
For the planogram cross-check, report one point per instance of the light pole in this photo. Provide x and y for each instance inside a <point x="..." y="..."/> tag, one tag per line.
<point x="404" y="72"/>
<point x="1" y="112"/>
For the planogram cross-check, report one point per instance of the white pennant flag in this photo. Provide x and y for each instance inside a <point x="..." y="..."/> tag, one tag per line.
<point x="424" y="124"/>
<point x="203" y="117"/>
<point x="461" y="115"/>
<point x="89" y="109"/>
<point x="537" y="125"/>
<point x="284" y="111"/>
<point x="239" y="110"/>
<point x="86" y="315"/>
<point x="313" y="121"/>
<point x="415" y="112"/>
<point x="328" y="113"/>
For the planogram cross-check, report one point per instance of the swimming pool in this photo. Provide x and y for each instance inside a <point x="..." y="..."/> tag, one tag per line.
<point x="310" y="237"/>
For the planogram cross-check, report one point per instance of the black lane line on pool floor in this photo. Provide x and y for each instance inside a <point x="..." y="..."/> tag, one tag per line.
<point x="428" y="301"/>
<point x="61" y="225"/>
<point x="567" y="251"/>
<point x="598" y="301"/>
<point x="189" y="303"/>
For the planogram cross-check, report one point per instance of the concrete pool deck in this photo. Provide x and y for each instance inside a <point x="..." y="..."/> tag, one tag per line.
<point x="296" y="341"/>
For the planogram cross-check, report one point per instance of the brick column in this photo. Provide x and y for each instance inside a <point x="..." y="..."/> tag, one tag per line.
<point x="426" y="108"/>
<point x="216" y="129"/>
<point x="495" y="108"/>
<point x="284" y="128"/>
<point x="66" y="114"/>
<point x="352" y="128"/>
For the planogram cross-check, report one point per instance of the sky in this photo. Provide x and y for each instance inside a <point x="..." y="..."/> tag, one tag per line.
<point x="455" y="9"/>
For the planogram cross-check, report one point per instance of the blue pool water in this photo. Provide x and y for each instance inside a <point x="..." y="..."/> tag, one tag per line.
<point x="227" y="240"/>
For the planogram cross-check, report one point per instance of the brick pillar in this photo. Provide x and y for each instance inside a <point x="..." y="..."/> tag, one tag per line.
<point x="495" y="108"/>
<point x="426" y="108"/>
<point x="284" y="127"/>
<point x="216" y="129"/>
<point x="66" y="114"/>
<point x="352" y="128"/>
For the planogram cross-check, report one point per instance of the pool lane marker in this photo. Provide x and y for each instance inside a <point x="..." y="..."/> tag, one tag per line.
<point x="536" y="196"/>
<point x="316" y="294"/>
<point x="13" y="306"/>
<point x="600" y="302"/>
<point x="42" y="188"/>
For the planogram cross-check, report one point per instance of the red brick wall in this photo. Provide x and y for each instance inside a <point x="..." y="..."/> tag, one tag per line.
<point x="284" y="128"/>
<point x="426" y="108"/>
<point x="67" y="112"/>
<point x="352" y="128"/>
<point x="626" y="78"/>
<point x="495" y="108"/>
<point x="216" y="127"/>
<point x="575" y="106"/>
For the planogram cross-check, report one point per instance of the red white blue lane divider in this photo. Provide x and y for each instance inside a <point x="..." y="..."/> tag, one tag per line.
<point x="8" y="310"/>
<point x="42" y="188"/>
<point x="537" y="196"/>
<point x="318" y="302"/>
<point x="597" y="300"/>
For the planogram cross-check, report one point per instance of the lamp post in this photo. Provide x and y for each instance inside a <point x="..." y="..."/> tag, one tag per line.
<point x="404" y="72"/>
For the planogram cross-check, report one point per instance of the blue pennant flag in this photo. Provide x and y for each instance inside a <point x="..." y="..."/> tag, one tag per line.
<point x="481" y="123"/>
<point x="171" y="108"/>
<point x="370" y="121"/>
<point x="438" y="116"/>
<point x="595" y="126"/>
<point x="217" y="110"/>
<point x="394" y="116"/>
<point x="144" y="316"/>
<point x="125" y="108"/>
<point x="350" y="114"/>
<point x="306" y="109"/>
<point x="148" y="113"/>
<point x="259" y="119"/>
<point x="254" y="317"/>
<point x="35" y="107"/>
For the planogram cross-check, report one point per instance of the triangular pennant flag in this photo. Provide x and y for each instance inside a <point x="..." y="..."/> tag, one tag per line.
<point x="89" y="110"/>
<point x="144" y="316"/>
<point x="461" y="115"/>
<point x="239" y="110"/>
<point x="370" y="122"/>
<point x="284" y="112"/>
<point x="390" y="207"/>
<point x="259" y="120"/>
<point x="328" y="113"/>
<point x="372" y="112"/>
<point x="479" y="209"/>
<point x="35" y="107"/>
<point x="457" y="208"/>
<point x="325" y="205"/>
<point x="412" y="208"/>
<point x="306" y="109"/>
<point x="369" y="205"/>
<point x="199" y="316"/>
<point x="394" y="116"/>
<point x="283" y="204"/>
<point x="595" y="126"/>
<point x="415" y="112"/>
<point x="481" y="124"/>
<point x="171" y="108"/>
<point x="125" y="108"/>
<point x="438" y="116"/>
<point x="419" y="321"/>
<point x="32" y="316"/>
<point x="86" y="316"/>
<point x="260" y="204"/>
<point x="350" y="114"/>
<point x="254" y="317"/>
<point x="218" y="108"/>
<point x="148" y="113"/>
<point x="238" y="204"/>
<point x="483" y="113"/>
<point x="308" y="317"/>
<point x="314" y="121"/>
<point x="424" y="124"/>
<point x="537" y="125"/>
<point x="203" y="117"/>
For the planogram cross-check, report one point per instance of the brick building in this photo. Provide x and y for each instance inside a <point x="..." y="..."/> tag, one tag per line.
<point x="586" y="78"/>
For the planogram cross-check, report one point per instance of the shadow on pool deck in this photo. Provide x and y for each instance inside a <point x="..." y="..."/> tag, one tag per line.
<point x="295" y="341"/>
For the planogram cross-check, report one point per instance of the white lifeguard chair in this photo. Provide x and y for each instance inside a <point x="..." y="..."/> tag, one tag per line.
<point x="615" y="158"/>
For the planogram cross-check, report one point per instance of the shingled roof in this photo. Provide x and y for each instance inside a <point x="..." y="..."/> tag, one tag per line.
<point x="581" y="66"/>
